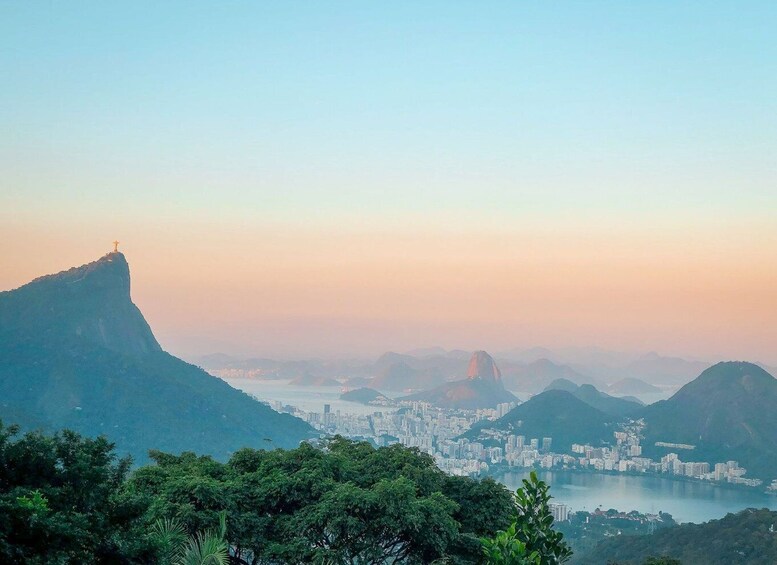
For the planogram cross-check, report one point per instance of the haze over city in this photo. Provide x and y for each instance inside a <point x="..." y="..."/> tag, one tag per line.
<point x="292" y="183"/>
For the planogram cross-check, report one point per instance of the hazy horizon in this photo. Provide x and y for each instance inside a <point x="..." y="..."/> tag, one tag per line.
<point x="340" y="182"/>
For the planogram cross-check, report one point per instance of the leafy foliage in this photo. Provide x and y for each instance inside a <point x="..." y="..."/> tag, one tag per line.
<point x="745" y="537"/>
<point x="530" y="539"/>
<point x="68" y="499"/>
<point x="346" y="502"/>
<point x="507" y="549"/>
<point x="203" y="548"/>
<point x="61" y="501"/>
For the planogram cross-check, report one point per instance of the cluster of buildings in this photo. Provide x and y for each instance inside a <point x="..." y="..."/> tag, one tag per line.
<point x="626" y="456"/>
<point x="606" y="459"/>
<point x="419" y="424"/>
<point x="437" y="432"/>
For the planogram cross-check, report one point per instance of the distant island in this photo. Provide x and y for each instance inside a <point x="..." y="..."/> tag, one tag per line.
<point x="366" y="395"/>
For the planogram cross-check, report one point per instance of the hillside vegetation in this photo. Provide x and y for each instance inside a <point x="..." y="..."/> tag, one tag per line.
<point x="746" y="537"/>
<point x="77" y="353"/>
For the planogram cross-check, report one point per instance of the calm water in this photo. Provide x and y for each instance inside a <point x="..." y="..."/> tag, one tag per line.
<point x="685" y="501"/>
<point x="307" y="398"/>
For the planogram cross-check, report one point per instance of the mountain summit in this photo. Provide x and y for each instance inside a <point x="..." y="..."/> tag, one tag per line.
<point x="727" y="413"/>
<point x="77" y="353"/>
<point x="90" y="304"/>
<point x="482" y="366"/>
<point x="482" y="388"/>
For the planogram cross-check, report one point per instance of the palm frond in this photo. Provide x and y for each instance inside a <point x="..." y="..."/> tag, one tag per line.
<point x="170" y="536"/>
<point x="205" y="548"/>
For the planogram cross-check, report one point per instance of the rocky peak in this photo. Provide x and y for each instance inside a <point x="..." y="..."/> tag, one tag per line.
<point x="482" y="366"/>
<point x="90" y="303"/>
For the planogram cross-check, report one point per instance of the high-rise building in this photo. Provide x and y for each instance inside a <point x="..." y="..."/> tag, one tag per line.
<point x="559" y="511"/>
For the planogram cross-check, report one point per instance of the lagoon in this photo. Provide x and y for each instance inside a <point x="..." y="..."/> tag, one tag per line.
<point x="686" y="501"/>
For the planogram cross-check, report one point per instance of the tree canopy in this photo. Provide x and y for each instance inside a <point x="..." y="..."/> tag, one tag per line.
<point x="62" y="501"/>
<point x="343" y="502"/>
<point x="69" y="499"/>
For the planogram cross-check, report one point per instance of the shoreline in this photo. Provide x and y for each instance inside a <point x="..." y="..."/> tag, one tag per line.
<point x="686" y="503"/>
<point x="500" y="470"/>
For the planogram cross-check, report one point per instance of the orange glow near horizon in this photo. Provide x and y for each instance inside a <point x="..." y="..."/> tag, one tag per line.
<point x="287" y="291"/>
<point x="295" y="182"/>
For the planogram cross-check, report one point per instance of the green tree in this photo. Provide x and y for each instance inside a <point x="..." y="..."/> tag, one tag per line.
<point x="60" y="501"/>
<point x="342" y="502"/>
<point x="67" y="499"/>
<point x="662" y="561"/>
<point x="531" y="539"/>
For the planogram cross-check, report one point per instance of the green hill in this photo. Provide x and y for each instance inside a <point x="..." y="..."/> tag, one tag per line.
<point x="728" y="413"/>
<point x="746" y="537"/>
<point x="554" y="413"/>
<point x="77" y="353"/>
<point x="364" y="395"/>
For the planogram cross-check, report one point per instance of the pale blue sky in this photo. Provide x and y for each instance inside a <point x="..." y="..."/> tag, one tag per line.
<point x="300" y="109"/>
<point x="351" y="177"/>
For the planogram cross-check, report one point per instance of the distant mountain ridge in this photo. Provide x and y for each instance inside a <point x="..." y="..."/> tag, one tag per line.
<point x="608" y="366"/>
<point x="398" y="376"/>
<point x="611" y="405"/>
<point x="631" y="386"/>
<point x="77" y="353"/>
<point x="667" y="370"/>
<point x="529" y="370"/>
<point x="537" y="375"/>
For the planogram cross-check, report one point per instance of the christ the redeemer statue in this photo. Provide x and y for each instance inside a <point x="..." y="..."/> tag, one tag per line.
<point x="115" y="246"/>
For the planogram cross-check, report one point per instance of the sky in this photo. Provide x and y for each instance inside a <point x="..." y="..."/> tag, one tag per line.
<point x="295" y="179"/>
